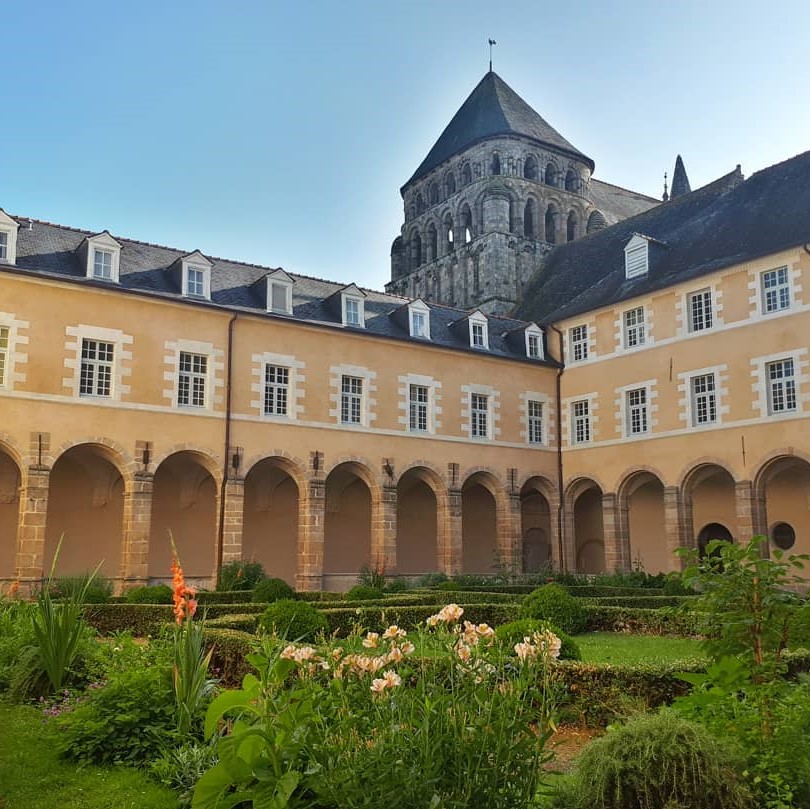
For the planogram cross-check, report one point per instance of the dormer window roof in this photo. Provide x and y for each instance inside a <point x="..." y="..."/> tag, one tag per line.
<point x="352" y="306"/>
<point x="8" y="238"/>
<point x="193" y="275"/>
<point x="534" y="341"/>
<point x="479" y="330"/>
<point x="419" y="319"/>
<point x="279" y="292"/>
<point x="101" y="255"/>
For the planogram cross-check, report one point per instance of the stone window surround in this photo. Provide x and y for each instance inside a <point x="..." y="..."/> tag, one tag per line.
<point x="493" y="417"/>
<point x="295" y="386"/>
<point x="548" y="421"/>
<point x="15" y="358"/>
<point x="620" y="326"/>
<point x="760" y="385"/>
<point x="620" y="403"/>
<point x="122" y="358"/>
<point x="215" y="381"/>
<point x="686" y="415"/>
<point x="567" y="417"/>
<point x="756" y="297"/>
<point x="368" y="414"/>
<point x="434" y="402"/>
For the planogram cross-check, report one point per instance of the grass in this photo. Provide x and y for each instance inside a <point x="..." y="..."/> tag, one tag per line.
<point x="626" y="650"/>
<point x="33" y="777"/>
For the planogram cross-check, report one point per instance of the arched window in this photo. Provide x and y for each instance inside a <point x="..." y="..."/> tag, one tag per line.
<point x="467" y="223"/>
<point x="551" y="174"/>
<point x="466" y="174"/>
<point x="529" y="219"/>
<point x="596" y="221"/>
<point x="420" y="204"/>
<point x="433" y="194"/>
<point x="432" y="242"/>
<point x="416" y="251"/>
<point x="551" y="224"/>
<point x="447" y="228"/>
<point x="496" y="163"/>
<point x="449" y="184"/>
<point x="571" y="228"/>
<point x="571" y="180"/>
<point x="530" y="168"/>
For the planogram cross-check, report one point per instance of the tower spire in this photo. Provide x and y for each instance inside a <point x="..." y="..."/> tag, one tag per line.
<point x="665" y="198"/>
<point x="680" y="182"/>
<point x="491" y="43"/>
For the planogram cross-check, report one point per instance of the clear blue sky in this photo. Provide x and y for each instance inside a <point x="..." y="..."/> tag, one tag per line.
<point x="280" y="133"/>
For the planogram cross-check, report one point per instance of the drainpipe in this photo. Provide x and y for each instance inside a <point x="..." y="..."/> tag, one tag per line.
<point x="226" y="459"/>
<point x="560" y="506"/>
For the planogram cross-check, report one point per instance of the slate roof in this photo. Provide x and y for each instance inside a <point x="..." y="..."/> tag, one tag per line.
<point x="493" y="108"/>
<point x="724" y="223"/>
<point x="50" y="250"/>
<point x="617" y="203"/>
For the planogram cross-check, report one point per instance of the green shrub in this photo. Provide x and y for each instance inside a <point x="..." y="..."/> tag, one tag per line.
<point x="448" y="586"/>
<point x="398" y="585"/>
<point x="665" y="621"/>
<point x="514" y="632"/>
<point x="155" y="594"/>
<point x="239" y="575"/>
<point x="555" y="604"/>
<point x="128" y="721"/>
<point x="98" y="590"/>
<point x="363" y="592"/>
<point x="674" y="585"/>
<point x="16" y="634"/>
<point x="431" y="579"/>
<point x="371" y="577"/>
<point x="231" y="648"/>
<point x="658" y="761"/>
<point x="181" y="767"/>
<point x="642" y="602"/>
<point x="242" y="622"/>
<point x="269" y="590"/>
<point x="293" y="620"/>
<point x="598" y="591"/>
<point x="206" y="597"/>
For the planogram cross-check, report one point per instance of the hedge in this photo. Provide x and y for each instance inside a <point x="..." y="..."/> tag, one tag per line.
<point x="641" y="602"/>
<point x="243" y="622"/>
<point x="207" y="597"/>
<point x="664" y="621"/>
<point x="230" y="650"/>
<point x="604" y="591"/>
<point x="148" y="619"/>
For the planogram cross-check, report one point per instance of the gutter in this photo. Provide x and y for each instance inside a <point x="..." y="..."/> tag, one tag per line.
<point x="560" y="505"/>
<point x="225" y="455"/>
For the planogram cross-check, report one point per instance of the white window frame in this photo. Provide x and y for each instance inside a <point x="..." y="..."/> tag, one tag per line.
<point x="780" y="292"/>
<point x="634" y="328"/>
<point x="350" y="300"/>
<point x="478" y="321"/>
<point x="636" y="257"/>
<point x="277" y="391"/>
<point x="352" y="402"/>
<point x="535" y="422"/>
<point x="700" y="302"/>
<point x="103" y="243"/>
<point x="4" y="240"/>
<point x="534" y="336"/>
<point x="578" y="342"/>
<point x="286" y="288"/>
<point x="193" y="375"/>
<point x="637" y="413"/>
<point x="581" y="427"/>
<point x="9" y="228"/>
<point x="205" y="272"/>
<point x="419" y="408"/>
<point x="707" y="399"/>
<point x="784" y="387"/>
<point x="99" y="254"/>
<point x="480" y="416"/>
<point x="97" y="370"/>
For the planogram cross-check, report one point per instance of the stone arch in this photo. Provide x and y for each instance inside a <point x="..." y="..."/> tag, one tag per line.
<point x="642" y="522"/>
<point x="433" y="193"/>
<point x="205" y="456"/>
<point x="596" y="222"/>
<point x="110" y="450"/>
<point x="86" y="506"/>
<point x="448" y="236"/>
<point x="572" y="226"/>
<point x="586" y="535"/>
<point x="709" y="496"/>
<point x="465" y="221"/>
<point x="550" y="174"/>
<point x="11" y="447"/>
<point x="431" y="242"/>
<point x="495" y="164"/>
<point x="550" y="223"/>
<point x="782" y="495"/>
<point x="571" y="181"/>
<point x="420" y="203"/>
<point x="530" y="219"/>
<point x="484" y="511"/>
<point x="415" y="245"/>
<point x="422" y="520"/>
<point x="710" y="531"/>
<point x="449" y="184"/>
<point x="10" y="487"/>
<point x="537" y="505"/>
<point x="466" y="174"/>
<point x="185" y="500"/>
<point x="531" y="170"/>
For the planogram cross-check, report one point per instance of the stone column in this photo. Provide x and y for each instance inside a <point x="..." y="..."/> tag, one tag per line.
<point x="311" y="520"/>
<point x="31" y="533"/>
<point x="569" y="563"/>
<point x="384" y="531"/>
<point x="453" y="552"/>
<point x="137" y="525"/>
<point x="234" y="506"/>
<point x="616" y="544"/>
<point x="510" y="537"/>
<point x="750" y="511"/>
<point x="674" y="528"/>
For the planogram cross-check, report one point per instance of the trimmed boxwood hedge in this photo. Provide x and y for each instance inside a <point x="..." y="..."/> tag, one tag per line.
<point x="231" y="647"/>
<point x="641" y="602"/>
<point x="225" y="597"/>
<point x="603" y="591"/>
<point x="148" y="619"/>
<point x="664" y="621"/>
<point x="244" y="622"/>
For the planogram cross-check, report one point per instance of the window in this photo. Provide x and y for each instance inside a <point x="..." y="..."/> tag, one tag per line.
<point x="280" y="295"/>
<point x="276" y="390"/>
<point x="700" y="310"/>
<point x="191" y="382"/>
<point x="95" y="377"/>
<point x="781" y="386"/>
<point x="3" y="353"/>
<point x="477" y="335"/>
<point x="352" y="311"/>
<point x="783" y="535"/>
<point x="479" y="415"/>
<point x="418" y="324"/>
<point x="534" y="346"/>
<point x="775" y="290"/>
<point x="579" y="343"/>
<point x="535" y="415"/>
<point x="635" y="257"/>
<point x="581" y="422"/>
<point x="704" y="400"/>
<point x="102" y="264"/>
<point x="351" y="400"/>
<point x="637" y="414"/>
<point x="634" y="330"/>
<point x="3" y="246"/>
<point x="195" y="282"/>
<point x="418" y="408"/>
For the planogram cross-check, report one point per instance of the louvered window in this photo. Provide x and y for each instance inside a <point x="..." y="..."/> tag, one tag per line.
<point x="635" y="261"/>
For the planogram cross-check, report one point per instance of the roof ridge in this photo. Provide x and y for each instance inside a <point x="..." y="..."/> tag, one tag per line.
<point x="622" y="188"/>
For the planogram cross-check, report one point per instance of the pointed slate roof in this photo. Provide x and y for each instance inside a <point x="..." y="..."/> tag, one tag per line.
<point x="493" y="108"/>
<point x="680" y="182"/>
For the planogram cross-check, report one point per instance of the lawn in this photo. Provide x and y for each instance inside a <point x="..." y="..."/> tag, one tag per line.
<point x="33" y="777"/>
<point x="627" y="650"/>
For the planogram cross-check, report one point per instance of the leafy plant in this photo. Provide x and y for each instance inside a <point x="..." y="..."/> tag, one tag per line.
<point x="295" y="620"/>
<point x="240" y="575"/>
<point x="515" y="631"/>
<point x="192" y="685"/>
<point x="91" y="588"/>
<point x="180" y="768"/>
<point x="154" y="594"/>
<point x="269" y="590"/>
<point x="431" y="579"/>
<point x="555" y="604"/>
<point x="363" y="592"/>
<point x="371" y="577"/>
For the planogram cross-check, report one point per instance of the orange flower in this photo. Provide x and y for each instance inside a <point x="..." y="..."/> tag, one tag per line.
<point x="185" y="605"/>
<point x="14" y="589"/>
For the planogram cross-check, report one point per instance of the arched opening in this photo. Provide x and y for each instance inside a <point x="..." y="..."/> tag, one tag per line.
<point x="447" y="228"/>
<point x="184" y="501"/>
<point x="783" y="485"/>
<point x="433" y="193"/>
<point x="86" y="505"/>
<point x="479" y="524"/>
<point x="420" y="204"/>
<point x="530" y="219"/>
<point x="347" y="525"/>
<point x="571" y="226"/>
<point x="449" y="184"/>
<point x="596" y="221"/>
<point x="710" y="490"/>
<point x="417" y="523"/>
<point x="530" y="168"/>
<point x="535" y="527"/>
<point x="571" y="181"/>
<point x="432" y="242"/>
<point x="10" y="481"/>
<point x="550" y="177"/>
<point x="642" y="494"/>
<point x="552" y="215"/>
<point x="589" y="534"/>
<point x="270" y="519"/>
<point x="495" y="166"/>
<point x="466" y="223"/>
<point x="416" y="250"/>
<point x="714" y="530"/>
<point x="466" y="174"/>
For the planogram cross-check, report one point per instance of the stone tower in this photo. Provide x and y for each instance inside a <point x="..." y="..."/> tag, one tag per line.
<point x="497" y="191"/>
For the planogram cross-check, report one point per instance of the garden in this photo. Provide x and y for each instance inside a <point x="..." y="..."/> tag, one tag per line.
<point x="553" y="690"/>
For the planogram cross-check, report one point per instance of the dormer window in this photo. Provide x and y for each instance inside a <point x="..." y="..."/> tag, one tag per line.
<point x="195" y="282"/>
<point x="419" y="320"/>
<point x="534" y="342"/>
<point x="8" y="238"/>
<point x="102" y="254"/>
<point x="636" y="257"/>
<point x="194" y="275"/>
<point x="352" y="308"/>
<point x="479" y="336"/>
<point x="279" y="292"/>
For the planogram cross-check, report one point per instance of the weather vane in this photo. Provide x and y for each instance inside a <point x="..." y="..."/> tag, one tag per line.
<point x="491" y="43"/>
